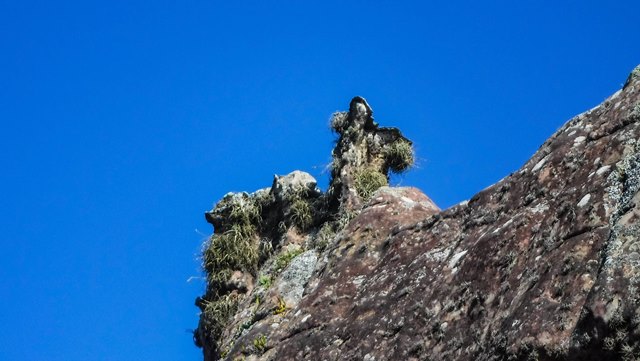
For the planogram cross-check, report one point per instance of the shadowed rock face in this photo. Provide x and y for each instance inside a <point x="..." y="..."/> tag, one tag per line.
<point x="543" y="265"/>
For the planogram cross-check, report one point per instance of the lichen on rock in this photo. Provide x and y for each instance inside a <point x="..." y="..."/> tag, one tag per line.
<point x="543" y="265"/>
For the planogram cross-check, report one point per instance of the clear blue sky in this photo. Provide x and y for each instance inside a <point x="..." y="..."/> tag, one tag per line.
<point x="123" y="121"/>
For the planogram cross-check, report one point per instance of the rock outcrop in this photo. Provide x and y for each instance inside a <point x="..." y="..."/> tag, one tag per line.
<point x="543" y="265"/>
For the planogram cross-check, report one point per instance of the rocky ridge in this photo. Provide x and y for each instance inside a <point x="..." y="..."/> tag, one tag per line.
<point x="543" y="265"/>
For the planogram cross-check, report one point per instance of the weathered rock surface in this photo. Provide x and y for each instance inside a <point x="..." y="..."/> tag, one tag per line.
<point x="543" y="265"/>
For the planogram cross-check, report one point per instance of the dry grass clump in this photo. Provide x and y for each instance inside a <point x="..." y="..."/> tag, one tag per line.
<point x="338" y="121"/>
<point x="399" y="156"/>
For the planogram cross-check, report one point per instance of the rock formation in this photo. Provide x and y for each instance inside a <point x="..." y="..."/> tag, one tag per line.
<point x="543" y="265"/>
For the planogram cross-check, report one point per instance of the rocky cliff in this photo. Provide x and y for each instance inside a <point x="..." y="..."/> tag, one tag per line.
<point x="543" y="265"/>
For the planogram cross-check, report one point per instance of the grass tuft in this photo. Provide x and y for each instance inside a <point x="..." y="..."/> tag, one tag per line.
<point x="260" y="343"/>
<point x="232" y="250"/>
<point x="399" y="156"/>
<point x="368" y="180"/>
<point x="265" y="281"/>
<point x="301" y="215"/>
<point x="217" y="313"/>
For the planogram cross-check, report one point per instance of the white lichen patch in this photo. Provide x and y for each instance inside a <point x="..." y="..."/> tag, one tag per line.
<point x="583" y="202"/>
<point x="540" y="208"/>
<point x="408" y="202"/>
<point x="540" y="164"/>
<point x="507" y="223"/>
<point x="456" y="258"/>
<point x="579" y="140"/>
<point x="603" y="169"/>
<point x="437" y="254"/>
<point x="357" y="281"/>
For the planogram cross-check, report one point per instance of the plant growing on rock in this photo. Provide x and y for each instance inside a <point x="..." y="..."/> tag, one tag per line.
<point x="260" y="343"/>
<point x="281" y="308"/>
<point x="399" y="155"/>
<point x="301" y="215"/>
<point x="217" y="313"/>
<point x="265" y="281"/>
<point x="363" y="156"/>
<point x="232" y="250"/>
<point x="285" y="258"/>
<point x="251" y="228"/>
<point x="367" y="181"/>
<point x="246" y="212"/>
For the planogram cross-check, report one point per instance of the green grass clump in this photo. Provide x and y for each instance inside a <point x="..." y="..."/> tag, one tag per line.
<point x="217" y="313"/>
<point x="285" y="258"/>
<point x="265" y="281"/>
<point x="260" y="343"/>
<point x="399" y="156"/>
<point x="233" y="250"/>
<point x="301" y="214"/>
<point x="368" y="180"/>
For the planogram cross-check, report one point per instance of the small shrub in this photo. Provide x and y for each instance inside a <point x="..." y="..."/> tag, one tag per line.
<point x="260" y="343"/>
<point x="367" y="181"/>
<point x="399" y="156"/>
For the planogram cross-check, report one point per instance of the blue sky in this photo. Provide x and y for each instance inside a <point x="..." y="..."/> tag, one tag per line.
<point x="123" y="121"/>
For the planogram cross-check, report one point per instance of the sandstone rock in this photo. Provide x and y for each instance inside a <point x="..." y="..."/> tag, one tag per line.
<point x="285" y="187"/>
<point x="543" y="265"/>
